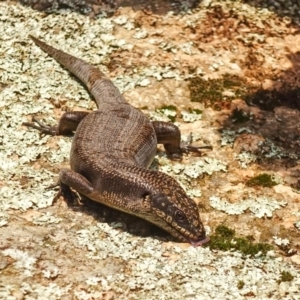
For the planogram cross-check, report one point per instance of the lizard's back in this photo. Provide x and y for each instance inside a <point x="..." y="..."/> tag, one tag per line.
<point x="117" y="131"/>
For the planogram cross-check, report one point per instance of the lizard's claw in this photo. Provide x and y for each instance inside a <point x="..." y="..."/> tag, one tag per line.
<point x="67" y="194"/>
<point x="186" y="146"/>
<point x="194" y="149"/>
<point x="64" y="191"/>
<point x="52" y="130"/>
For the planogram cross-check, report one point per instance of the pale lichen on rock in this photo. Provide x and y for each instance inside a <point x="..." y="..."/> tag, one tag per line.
<point x="57" y="252"/>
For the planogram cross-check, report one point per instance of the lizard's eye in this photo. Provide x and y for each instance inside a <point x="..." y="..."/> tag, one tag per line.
<point x="179" y="216"/>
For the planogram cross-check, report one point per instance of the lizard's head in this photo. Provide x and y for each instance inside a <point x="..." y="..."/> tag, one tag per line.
<point x="177" y="213"/>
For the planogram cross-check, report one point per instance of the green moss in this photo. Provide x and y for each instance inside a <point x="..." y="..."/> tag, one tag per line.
<point x="239" y="116"/>
<point x="211" y="91"/>
<point x="231" y="81"/>
<point x="224" y="239"/>
<point x="195" y="111"/>
<point x="169" y="111"/>
<point x="168" y="107"/>
<point x="263" y="179"/>
<point x="285" y="276"/>
<point x="240" y="284"/>
<point x="225" y="232"/>
<point x="205" y="91"/>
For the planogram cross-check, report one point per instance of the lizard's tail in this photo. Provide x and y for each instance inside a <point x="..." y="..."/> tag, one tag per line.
<point x="99" y="86"/>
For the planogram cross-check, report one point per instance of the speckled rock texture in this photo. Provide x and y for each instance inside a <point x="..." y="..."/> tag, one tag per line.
<point x="95" y="7"/>
<point x="49" y="250"/>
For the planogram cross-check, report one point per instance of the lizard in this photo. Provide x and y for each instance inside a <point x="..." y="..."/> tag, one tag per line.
<point x="111" y="151"/>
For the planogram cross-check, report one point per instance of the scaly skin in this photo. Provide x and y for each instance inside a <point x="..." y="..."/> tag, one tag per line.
<point x="111" y="151"/>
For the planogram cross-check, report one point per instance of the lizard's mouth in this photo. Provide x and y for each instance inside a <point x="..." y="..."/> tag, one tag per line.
<point x="196" y="243"/>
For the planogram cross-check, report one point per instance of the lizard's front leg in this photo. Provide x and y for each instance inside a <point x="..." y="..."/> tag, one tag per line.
<point x="169" y="135"/>
<point x="68" y="123"/>
<point x="70" y="179"/>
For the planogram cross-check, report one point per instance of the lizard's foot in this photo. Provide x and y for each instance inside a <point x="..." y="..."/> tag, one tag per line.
<point x="64" y="191"/>
<point x="52" y="130"/>
<point x="67" y="194"/>
<point x="186" y="146"/>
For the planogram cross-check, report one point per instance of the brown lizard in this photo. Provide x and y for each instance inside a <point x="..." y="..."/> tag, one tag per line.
<point x="111" y="151"/>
